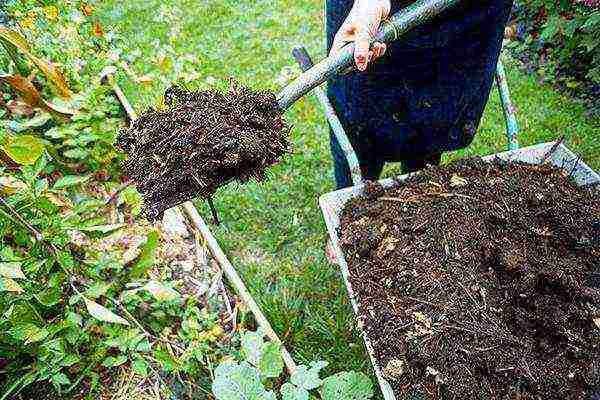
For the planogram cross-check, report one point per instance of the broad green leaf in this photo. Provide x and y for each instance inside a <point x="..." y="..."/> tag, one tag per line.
<point x="36" y="122"/>
<point x="271" y="362"/>
<point x="239" y="382"/>
<point x="161" y="292"/>
<point x="103" y="314"/>
<point x="291" y="392"/>
<point x="74" y="319"/>
<point x="70" y="180"/>
<point x="102" y="228"/>
<point x="114" y="361"/>
<point x="347" y="386"/>
<point x="9" y="285"/>
<point x="97" y="289"/>
<point x="23" y="149"/>
<point x="140" y="366"/>
<point x="146" y="258"/>
<point x="76" y="153"/>
<point x="252" y="346"/>
<point x="308" y="378"/>
<point x="60" y="379"/>
<point x="29" y="333"/>
<point x="50" y="296"/>
<point x="553" y="26"/>
<point x="11" y="269"/>
<point x="70" y="359"/>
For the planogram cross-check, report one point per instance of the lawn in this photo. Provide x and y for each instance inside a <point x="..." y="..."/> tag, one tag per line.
<point x="274" y="232"/>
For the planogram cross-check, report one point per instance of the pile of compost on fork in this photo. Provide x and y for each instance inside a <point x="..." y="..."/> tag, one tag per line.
<point x="480" y="281"/>
<point x="202" y="141"/>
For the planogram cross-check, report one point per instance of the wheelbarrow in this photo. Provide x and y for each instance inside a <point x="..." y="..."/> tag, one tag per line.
<point x="333" y="203"/>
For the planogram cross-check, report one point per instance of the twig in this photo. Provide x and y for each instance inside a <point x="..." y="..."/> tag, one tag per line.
<point x="427" y="302"/>
<point x="15" y="214"/>
<point x="117" y="192"/>
<point x="213" y="211"/>
<point x="553" y="149"/>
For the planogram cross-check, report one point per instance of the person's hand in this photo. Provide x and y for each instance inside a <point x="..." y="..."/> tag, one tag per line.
<point x="360" y="27"/>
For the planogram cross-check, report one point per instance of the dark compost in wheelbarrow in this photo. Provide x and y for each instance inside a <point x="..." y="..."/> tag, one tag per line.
<point x="475" y="281"/>
<point x="202" y="141"/>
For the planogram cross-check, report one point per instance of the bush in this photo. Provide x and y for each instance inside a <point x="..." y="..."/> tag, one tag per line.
<point x="565" y="35"/>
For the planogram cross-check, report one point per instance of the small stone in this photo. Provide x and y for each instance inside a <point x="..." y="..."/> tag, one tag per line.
<point x="394" y="369"/>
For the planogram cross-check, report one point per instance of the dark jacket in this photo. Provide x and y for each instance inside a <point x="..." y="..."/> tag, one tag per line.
<point x="428" y="93"/>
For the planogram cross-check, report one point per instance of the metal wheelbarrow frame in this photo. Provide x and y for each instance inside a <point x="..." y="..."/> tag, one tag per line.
<point x="333" y="203"/>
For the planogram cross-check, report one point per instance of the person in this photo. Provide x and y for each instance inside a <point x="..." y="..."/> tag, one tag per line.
<point x="416" y="98"/>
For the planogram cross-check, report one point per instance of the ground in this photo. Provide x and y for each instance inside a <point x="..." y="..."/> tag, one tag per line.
<point x="274" y="232"/>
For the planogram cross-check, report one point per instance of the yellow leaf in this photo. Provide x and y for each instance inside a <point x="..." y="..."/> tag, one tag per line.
<point x="9" y="285"/>
<point x="51" y="12"/>
<point x="59" y="201"/>
<point x="144" y="79"/>
<point x="165" y="63"/>
<point x="10" y="185"/>
<point x="23" y="149"/>
<point x="52" y="73"/>
<point x="28" y="23"/>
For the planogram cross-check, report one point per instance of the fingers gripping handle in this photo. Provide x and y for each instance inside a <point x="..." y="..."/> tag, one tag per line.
<point x="414" y="15"/>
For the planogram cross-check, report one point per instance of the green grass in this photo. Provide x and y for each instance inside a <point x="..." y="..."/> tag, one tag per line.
<point x="274" y="232"/>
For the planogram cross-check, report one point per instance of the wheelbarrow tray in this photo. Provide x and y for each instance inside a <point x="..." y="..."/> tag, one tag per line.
<point x="333" y="203"/>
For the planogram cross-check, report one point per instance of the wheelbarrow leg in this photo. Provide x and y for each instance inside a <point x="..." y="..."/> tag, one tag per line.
<point x="512" y="127"/>
<point x="305" y="63"/>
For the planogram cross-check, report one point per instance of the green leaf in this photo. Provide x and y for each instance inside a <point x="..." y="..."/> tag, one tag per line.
<point x="552" y="27"/>
<point x="70" y="180"/>
<point x="252" y="346"/>
<point x="271" y="362"/>
<point x="23" y="149"/>
<point x="103" y="314"/>
<point x="347" y="386"/>
<point x="97" y="289"/>
<point x="146" y="258"/>
<point x="11" y="270"/>
<point x="60" y="379"/>
<point x="9" y="285"/>
<point x="140" y="366"/>
<point x="161" y="292"/>
<point x="35" y="122"/>
<point x="308" y="378"/>
<point x="291" y="392"/>
<point x="239" y="382"/>
<point x="29" y="333"/>
<point x="114" y="361"/>
<point x="76" y="153"/>
<point x="50" y="296"/>
<point x="70" y="359"/>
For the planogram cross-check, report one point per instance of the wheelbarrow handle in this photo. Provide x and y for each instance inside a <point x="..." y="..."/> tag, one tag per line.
<point x="414" y="15"/>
